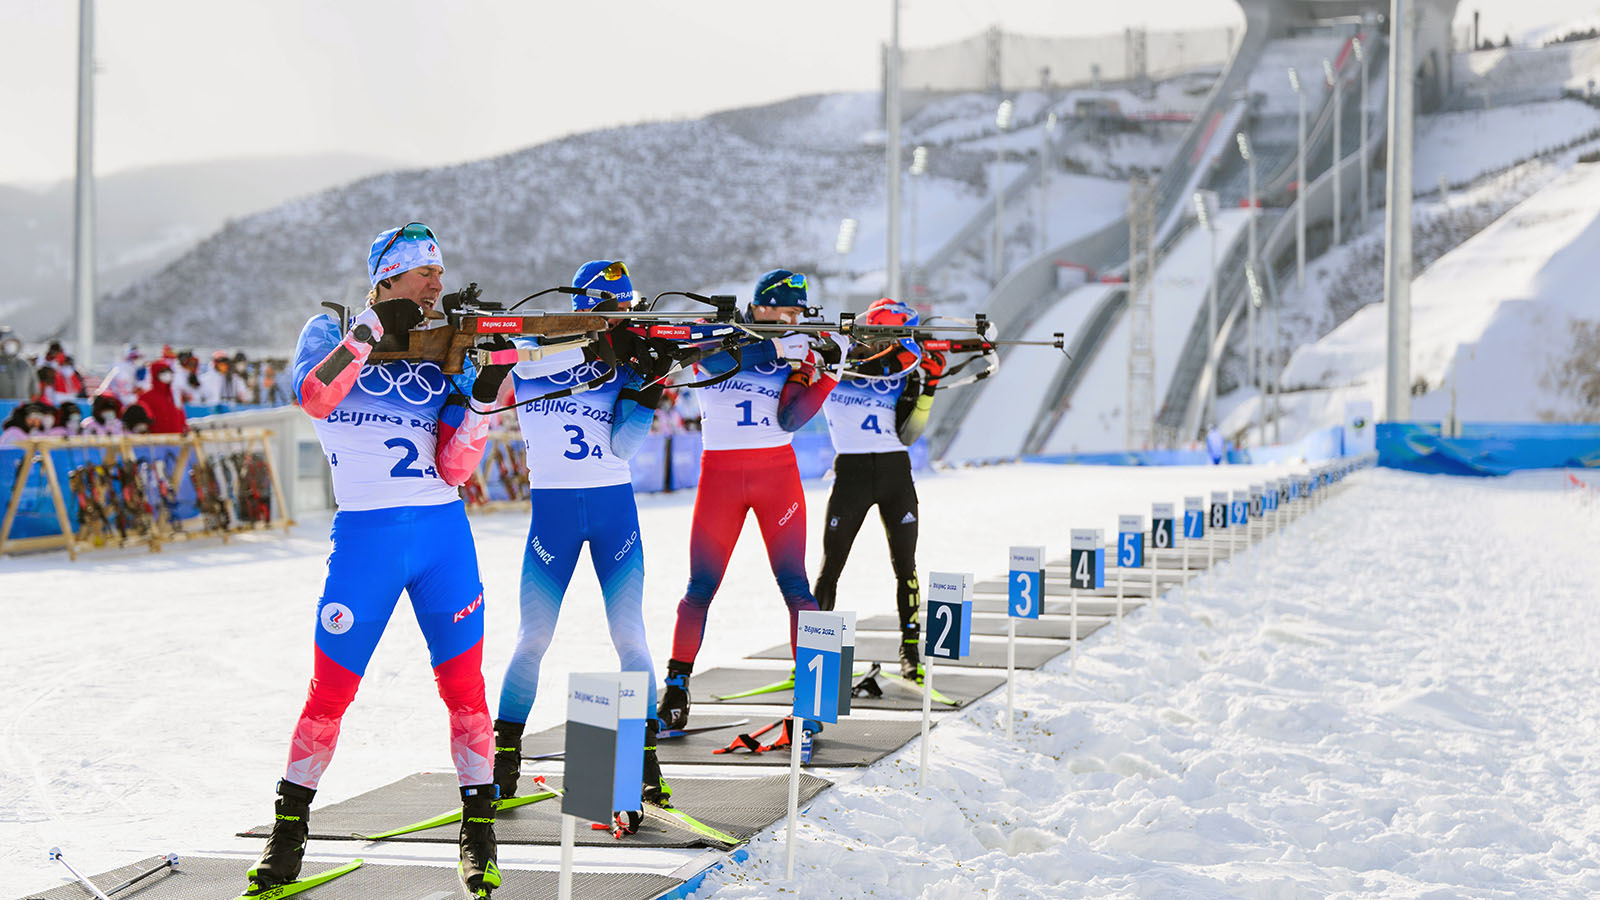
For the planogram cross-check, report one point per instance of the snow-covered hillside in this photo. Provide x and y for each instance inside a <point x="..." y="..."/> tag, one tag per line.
<point x="687" y="204"/>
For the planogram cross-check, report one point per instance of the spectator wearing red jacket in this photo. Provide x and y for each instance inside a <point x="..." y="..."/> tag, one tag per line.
<point x="166" y="416"/>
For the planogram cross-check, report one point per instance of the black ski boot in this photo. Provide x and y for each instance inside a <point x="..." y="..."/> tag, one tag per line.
<point x="673" y="711"/>
<point x="655" y="788"/>
<point x="478" y="868"/>
<point x="910" y="658"/>
<point x="286" y="846"/>
<point x="507" y="756"/>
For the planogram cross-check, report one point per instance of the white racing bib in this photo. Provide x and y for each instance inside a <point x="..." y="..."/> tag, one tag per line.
<point x="861" y="416"/>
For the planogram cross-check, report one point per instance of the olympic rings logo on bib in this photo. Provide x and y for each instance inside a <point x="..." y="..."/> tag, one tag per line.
<point x="769" y="368"/>
<point x="887" y="387"/>
<point x="415" y="383"/>
<point x="578" y="374"/>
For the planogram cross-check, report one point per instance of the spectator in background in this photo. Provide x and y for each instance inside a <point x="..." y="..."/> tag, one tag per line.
<point x="220" y="384"/>
<point x="1216" y="446"/>
<point x="186" y="377"/>
<point x="45" y="377"/>
<point x="69" y="420"/>
<point x="135" y="420"/>
<point x="269" y="390"/>
<point x="166" y="416"/>
<point x="247" y="377"/>
<point x="105" y="417"/>
<point x="127" y="378"/>
<point x="31" y="419"/>
<point x="18" y="380"/>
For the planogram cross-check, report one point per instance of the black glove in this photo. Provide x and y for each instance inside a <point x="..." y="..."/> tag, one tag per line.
<point x="486" y="387"/>
<point x="398" y="315"/>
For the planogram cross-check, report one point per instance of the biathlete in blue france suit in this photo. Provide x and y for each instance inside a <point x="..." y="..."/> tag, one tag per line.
<point x="581" y="491"/>
<point x="748" y="465"/>
<point x="872" y="421"/>
<point x="399" y="441"/>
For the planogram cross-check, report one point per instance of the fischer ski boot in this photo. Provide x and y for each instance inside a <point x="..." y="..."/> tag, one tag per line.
<point x="507" y="756"/>
<point x="673" y="711"/>
<point x="286" y="846"/>
<point x="479" y="869"/>
<point x="655" y="788"/>
<point x="910" y="658"/>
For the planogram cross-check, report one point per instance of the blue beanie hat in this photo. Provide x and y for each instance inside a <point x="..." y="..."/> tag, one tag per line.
<point x="400" y="250"/>
<point x="593" y="275"/>
<point x="780" y="287"/>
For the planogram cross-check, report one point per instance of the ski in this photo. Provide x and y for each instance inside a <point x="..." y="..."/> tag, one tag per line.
<point x="454" y="815"/>
<point x="672" y="735"/>
<point x="301" y="884"/>
<point x="679" y="817"/>
<point x="785" y="685"/>
<point x="917" y="686"/>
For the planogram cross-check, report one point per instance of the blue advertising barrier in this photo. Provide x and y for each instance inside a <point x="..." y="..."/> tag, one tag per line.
<point x="1488" y="448"/>
<point x="1318" y="446"/>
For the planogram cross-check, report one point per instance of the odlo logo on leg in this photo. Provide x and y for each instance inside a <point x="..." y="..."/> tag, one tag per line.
<point x="471" y="608"/>
<point x="337" y="618"/>
<point x="788" y="515"/>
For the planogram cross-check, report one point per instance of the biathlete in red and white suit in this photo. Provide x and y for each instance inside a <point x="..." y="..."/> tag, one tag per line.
<point x="748" y="465"/>
<point x="398" y="441"/>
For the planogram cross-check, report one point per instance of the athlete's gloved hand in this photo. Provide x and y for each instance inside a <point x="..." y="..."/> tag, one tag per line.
<point x="833" y="349"/>
<point x="933" y="365"/>
<point x="486" y="386"/>
<point x="629" y="347"/>
<point x="397" y="315"/>
<point x="793" y="346"/>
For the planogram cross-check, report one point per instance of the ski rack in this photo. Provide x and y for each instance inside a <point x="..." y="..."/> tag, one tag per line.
<point x="124" y="498"/>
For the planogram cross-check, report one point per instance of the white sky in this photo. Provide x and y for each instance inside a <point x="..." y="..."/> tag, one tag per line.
<point x="451" y="80"/>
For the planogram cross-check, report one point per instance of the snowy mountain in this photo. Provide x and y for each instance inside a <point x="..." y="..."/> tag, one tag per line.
<point x="146" y="218"/>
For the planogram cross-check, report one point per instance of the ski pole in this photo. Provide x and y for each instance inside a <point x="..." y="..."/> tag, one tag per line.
<point x="55" y="854"/>
<point x="170" y="862"/>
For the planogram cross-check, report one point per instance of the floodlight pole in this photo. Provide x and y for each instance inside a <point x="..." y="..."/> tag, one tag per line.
<point x="1397" y="214"/>
<point x="892" y="151"/>
<point x="1203" y="213"/>
<point x="83" y="193"/>
<point x="1366" y="174"/>
<point x="1336" y="82"/>
<point x="1300" y="186"/>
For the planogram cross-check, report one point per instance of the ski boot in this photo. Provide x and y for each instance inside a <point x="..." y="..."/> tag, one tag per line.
<point x="507" y="756"/>
<point x="286" y="846"/>
<point x="910" y="659"/>
<point x="655" y="788"/>
<point x="479" y="870"/>
<point x="673" y="711"/>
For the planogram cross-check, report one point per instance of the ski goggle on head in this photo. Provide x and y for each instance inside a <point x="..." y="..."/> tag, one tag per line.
<point x="786" y="289"/>
<point x="614" y="272"/>
<point x="411" y="233"/>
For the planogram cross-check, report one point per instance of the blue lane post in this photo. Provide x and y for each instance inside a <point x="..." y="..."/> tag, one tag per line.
<point x="1130" y="555"/>
<point x="1026" y="589"/>
<point x="1194" y="529"/>
<point x="819" y="644"/>
<point x="948" y="635"/>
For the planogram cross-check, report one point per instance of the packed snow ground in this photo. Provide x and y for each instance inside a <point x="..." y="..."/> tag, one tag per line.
<point x="1395" y="698"/>
<point x="148" y="699"/>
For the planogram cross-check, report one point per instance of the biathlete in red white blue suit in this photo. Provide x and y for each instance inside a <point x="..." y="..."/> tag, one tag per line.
<point x="582" y="492"/>
<point x="872" y="420"/>
<point x="748" y="465"/>
<point x="398" y="441"/>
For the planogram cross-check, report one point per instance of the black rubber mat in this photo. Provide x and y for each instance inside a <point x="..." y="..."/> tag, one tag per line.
<point x="987" y="653"/>
<point x="847" y="743"/>
<point x="1091" y="610"/>
<point x="962" y="687"/>
<point x="209" y="878"/>
<point x="738" y="806"/>
<point x="990" y="626"/>
<point x="1137" y="585"/>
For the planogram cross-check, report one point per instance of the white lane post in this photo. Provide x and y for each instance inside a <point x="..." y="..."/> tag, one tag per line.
<point x="1011" y="675"/>
<point x="1195" y="507"/>
<point x="1218" y="498"/>
<point x="927" y="718"/>
<point x="1130" y="554"/>
<point x="569" y="831"/>
<point x="794" y="794"/>
<point x="1081" y="565"/>
<point x="55" y="854"/>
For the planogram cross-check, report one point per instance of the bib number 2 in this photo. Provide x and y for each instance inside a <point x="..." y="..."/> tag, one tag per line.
<point x="406" y="467"/>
